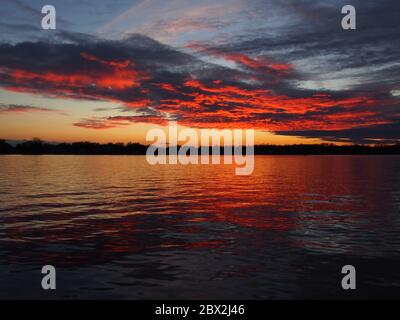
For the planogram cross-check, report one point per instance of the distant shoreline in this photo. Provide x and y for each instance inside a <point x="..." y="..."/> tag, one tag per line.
<point x="38" y="147"/>
<point x="256" y="155"/>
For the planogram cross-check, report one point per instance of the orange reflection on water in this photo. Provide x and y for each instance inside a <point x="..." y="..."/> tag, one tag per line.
<point x="82" y="210"/>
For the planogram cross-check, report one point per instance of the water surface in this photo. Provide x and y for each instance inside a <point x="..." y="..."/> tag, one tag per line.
<point x="115" y="227"/>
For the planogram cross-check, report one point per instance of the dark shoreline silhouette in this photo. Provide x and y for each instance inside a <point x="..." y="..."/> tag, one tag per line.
<point x="38" y="147"/>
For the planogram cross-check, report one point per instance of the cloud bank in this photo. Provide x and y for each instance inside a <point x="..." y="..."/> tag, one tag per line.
<point x="318" y="82"/>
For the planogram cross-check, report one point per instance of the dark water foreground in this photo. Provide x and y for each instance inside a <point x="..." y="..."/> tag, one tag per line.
<point x="115" y="227"/>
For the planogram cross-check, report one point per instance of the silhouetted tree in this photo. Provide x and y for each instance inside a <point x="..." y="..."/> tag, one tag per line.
<point x="5" y="148"/>
<point x="37" y="146"/>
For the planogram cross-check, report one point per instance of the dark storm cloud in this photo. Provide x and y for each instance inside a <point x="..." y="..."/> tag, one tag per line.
<point x="383" y="133"/>
<point x="375" y="43"/>
<point x="72" y="55"/>
<point x="36" y="59"/>
<point x="365" y="61"/>
<point x="154" y="83"/>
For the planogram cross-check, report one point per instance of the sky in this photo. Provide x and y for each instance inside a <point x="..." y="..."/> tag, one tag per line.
<point x="114" y="69"/>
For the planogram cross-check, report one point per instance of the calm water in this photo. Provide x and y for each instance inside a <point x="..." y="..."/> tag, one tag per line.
<point x="115" y="227"/>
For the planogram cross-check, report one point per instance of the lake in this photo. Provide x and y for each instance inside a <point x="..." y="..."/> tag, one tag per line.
<point x="116" y="227"/>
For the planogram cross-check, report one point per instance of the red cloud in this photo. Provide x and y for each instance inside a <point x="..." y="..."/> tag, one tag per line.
<point x="216" y="101"/>
<point x="115" y="75"/>
<point x="221" y="106"/>
<point x="118" y="79"/>
<point x="262" y="64"/>
<point x="116" y="64"/>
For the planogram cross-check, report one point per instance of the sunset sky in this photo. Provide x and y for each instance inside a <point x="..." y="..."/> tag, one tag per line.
<point x="114" y="69"/>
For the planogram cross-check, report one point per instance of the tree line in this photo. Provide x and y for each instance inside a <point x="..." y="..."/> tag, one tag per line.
<point x="37" y="147"/>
